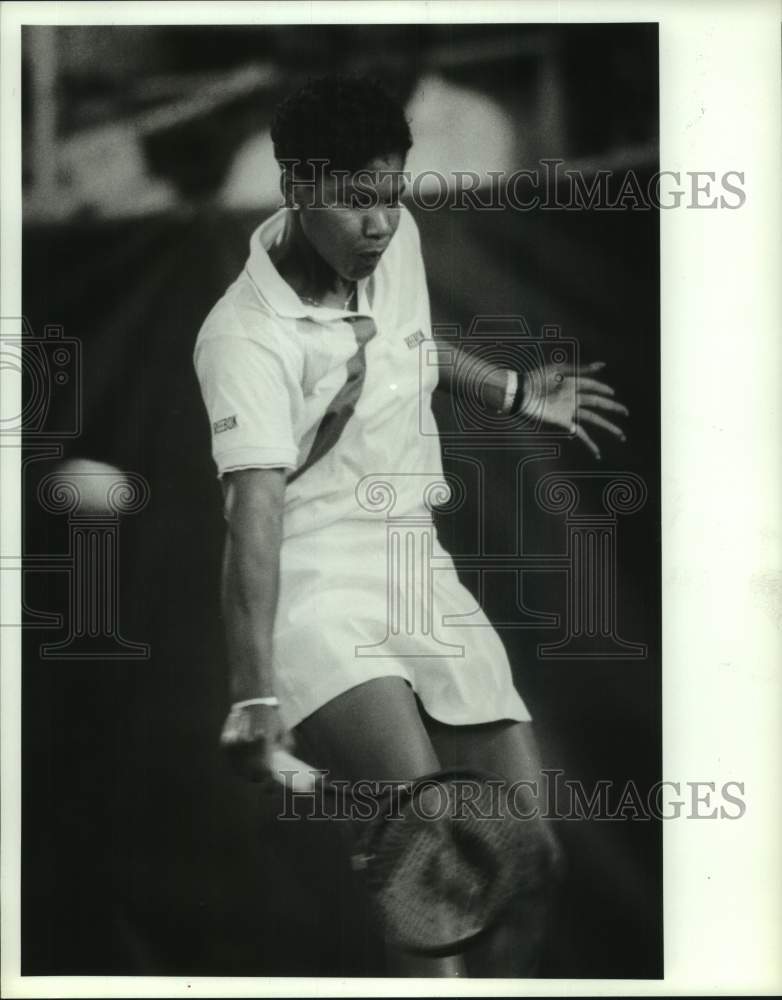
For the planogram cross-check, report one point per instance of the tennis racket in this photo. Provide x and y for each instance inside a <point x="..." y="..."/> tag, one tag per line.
<point x="442" y="856"/>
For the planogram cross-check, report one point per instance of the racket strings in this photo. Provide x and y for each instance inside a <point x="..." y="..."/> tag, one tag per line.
<point x="427" y="896"/>
<point x="439" y="881"/>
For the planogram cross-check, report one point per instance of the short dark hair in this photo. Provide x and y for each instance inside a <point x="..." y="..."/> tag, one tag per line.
<point x="346" y="120"/>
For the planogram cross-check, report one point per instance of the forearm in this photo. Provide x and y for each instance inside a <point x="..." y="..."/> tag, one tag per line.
<point x="473" y="377"/>
<point x="249" y="600"/>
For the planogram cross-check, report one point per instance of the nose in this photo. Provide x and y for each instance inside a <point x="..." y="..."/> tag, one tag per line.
<point x="377" y="224"/>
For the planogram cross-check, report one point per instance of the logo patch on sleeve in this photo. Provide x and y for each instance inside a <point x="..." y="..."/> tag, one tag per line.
<point x="415" y="338"/>
<point x="226" y="424"/>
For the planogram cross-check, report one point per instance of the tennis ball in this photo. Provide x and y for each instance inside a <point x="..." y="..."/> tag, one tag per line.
<point x="95" y="482"/>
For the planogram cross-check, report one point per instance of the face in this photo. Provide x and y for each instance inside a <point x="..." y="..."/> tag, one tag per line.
<point x="360" y="216"/>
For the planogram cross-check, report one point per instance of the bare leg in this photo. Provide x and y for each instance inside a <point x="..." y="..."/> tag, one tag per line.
<point x="508" y="750"/>
<point x="374" y="732"/>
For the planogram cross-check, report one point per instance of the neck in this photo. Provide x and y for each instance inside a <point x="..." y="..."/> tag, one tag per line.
<point x="303" y="268"/>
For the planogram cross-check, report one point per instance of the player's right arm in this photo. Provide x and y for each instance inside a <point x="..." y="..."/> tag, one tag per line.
<point x="254" y="501"/>
<point x="250" y="373"/>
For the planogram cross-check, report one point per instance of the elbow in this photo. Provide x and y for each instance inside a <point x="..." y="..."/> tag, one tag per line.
<point x="254" y="503"/>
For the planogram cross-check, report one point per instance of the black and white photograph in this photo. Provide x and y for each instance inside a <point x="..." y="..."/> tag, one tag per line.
<point x="339" y="420"/>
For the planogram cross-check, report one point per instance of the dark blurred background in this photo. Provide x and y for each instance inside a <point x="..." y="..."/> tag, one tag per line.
<point x="147" y="165"/>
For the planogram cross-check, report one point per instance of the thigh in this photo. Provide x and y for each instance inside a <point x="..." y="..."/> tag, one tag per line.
<point x="372" y="732"/>
<point x="506" y="748"/>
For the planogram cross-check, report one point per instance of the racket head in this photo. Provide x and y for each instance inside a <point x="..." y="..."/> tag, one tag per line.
<point x="445" y="858"/>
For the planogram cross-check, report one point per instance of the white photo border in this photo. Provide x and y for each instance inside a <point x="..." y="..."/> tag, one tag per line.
<point x="721" y="318"/>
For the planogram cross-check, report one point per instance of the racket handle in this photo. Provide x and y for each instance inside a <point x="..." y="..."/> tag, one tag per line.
<point x="292" y="772"/>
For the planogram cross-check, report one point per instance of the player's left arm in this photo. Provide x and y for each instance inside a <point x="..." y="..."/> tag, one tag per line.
<point x="566" y="397"/>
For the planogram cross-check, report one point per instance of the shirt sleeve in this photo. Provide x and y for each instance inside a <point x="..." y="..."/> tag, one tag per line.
<point x="253" y="397"/>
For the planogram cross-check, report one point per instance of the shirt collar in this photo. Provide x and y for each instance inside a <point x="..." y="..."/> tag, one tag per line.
<point x="271" y="286"/>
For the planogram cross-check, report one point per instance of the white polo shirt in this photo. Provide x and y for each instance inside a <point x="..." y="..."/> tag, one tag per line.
<point x="331" y="396"/>
<point x="343" y="402"/>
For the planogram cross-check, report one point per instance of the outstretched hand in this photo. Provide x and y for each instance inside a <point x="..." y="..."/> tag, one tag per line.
<point x="569" y="397"/>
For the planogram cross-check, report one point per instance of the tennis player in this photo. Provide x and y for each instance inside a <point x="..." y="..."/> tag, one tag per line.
<point x="309" y="370"/>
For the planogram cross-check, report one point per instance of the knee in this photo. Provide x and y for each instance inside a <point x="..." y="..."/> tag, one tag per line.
<point x="539" y="867"/>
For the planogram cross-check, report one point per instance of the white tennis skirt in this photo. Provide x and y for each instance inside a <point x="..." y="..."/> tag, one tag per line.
<point x="363" y="599"/>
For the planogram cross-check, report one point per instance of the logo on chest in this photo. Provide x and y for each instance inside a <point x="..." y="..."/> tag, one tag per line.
<point x="415" y="339"/>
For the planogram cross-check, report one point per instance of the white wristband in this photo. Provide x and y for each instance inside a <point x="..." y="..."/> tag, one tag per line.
<point x="271" y="701"/>
<point x="511" y="388"/>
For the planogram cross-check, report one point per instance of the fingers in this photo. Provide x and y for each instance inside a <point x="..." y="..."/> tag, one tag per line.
<point x="595" y="366"/>
<point x="594" y="386"/>
<point x="237" y="729"/>
<point x="601" y="403"/>
<point x="598" y="421"/>
<point x="582" y="435"/>
<point x="592" y="394"/>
